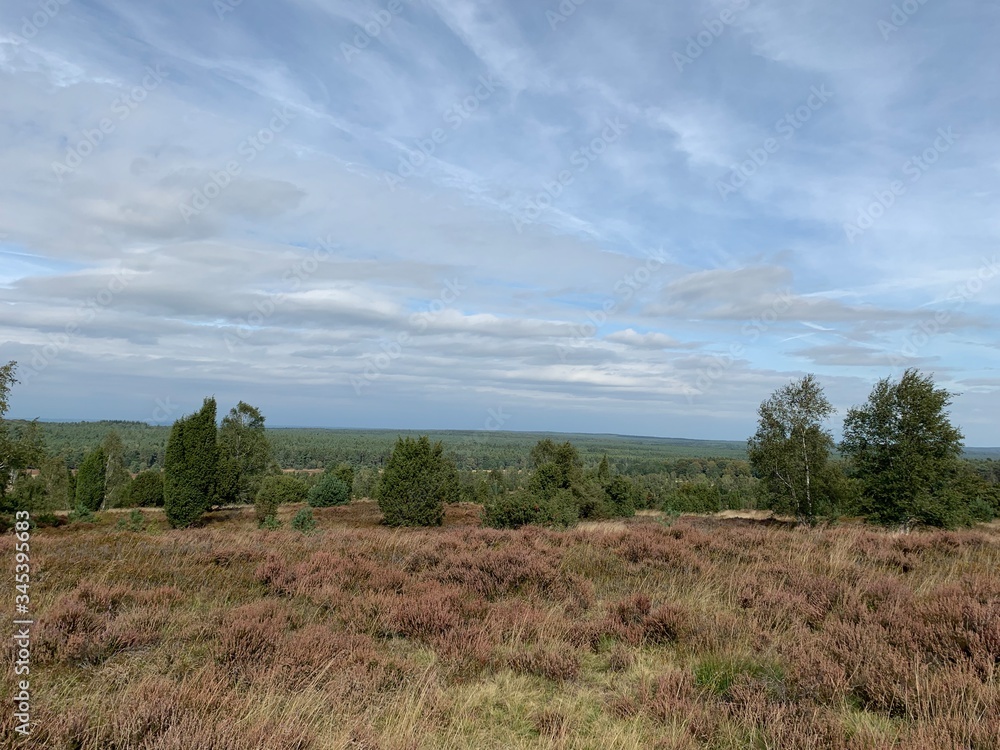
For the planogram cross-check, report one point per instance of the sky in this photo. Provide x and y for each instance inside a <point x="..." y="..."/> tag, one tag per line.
<point x="633" y="217"/>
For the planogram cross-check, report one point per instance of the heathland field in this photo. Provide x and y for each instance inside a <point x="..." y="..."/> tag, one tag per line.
<point x="646" y="632"/>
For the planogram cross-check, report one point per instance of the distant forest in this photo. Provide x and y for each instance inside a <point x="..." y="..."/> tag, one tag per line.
<point x="316" y="448"/>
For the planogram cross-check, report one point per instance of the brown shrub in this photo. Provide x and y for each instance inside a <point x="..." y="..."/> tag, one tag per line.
<point x="249" y="636"/>
<point x="555" y="662"/>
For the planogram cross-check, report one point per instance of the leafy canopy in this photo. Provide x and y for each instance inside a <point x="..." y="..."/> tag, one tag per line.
<point x="417" y="482"/>
<point x="906" y="453"/>
<point x="790" y="451"/>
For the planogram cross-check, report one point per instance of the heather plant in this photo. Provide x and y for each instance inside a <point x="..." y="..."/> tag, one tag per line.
<point x="710" y="633"/>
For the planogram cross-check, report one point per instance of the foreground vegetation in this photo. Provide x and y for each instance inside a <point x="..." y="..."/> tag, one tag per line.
<point x="637" y="633"/>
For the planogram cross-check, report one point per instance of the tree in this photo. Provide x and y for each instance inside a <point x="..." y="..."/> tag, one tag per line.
<point x="790" y="451"/>
<point x="346" y="475"/>
<point x="90" y="480"/>
<point x="146" y="490"/>
<point x="21" y="447"/>
<point x="191" y="466"/>
<point x="604" y="470"/>
<point x="244" y="454"/>
<point x="417" y="482"/>
<point x="7" y="381"/>
<point x="329" y="490"/>
<point x="116" y="476"/>
<point x="60" y="494"/>
<point x="905" y="452"/>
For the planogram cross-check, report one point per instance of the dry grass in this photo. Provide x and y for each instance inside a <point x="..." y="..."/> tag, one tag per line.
<point x="708" y="633"/>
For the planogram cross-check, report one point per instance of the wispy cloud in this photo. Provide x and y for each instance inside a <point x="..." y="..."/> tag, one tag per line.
<point x="765" y="280"/>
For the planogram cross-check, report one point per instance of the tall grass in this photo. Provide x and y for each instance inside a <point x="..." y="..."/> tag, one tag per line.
<point x="704" y="634"/>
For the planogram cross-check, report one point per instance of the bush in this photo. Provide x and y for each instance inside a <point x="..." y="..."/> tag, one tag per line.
<point x="416" y="483"/>
<point x="48" y="520"/>
<point x="146" y="490"/>
<point x="516" y="509"/>
<point x="346" y="475"/>
<point x="135" y="522"/>
<point x="191" y="467"/>
<point x="622" y="496"/>
<point x="330" y="490"/>
<point x="271" y="523"/>
<point x="276" y="490"/>
<point x="304" y="521"/>
<point x="694" y="497"/>
<point x="90" y="481"/>
<point x="82" y="514"/>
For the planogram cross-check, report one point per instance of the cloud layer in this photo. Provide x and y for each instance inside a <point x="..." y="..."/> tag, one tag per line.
<point x="636" y="218"/>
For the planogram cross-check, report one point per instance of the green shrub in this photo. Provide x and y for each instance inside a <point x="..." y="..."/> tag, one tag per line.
<point x="271" y="523"/>
<point x="694" y="497"/>
<point x="48" y="520"/>
<point x="622" y="496"/>
<point x="136" y="521"/>
<point x="82" y="514"/>
<point x="330" y="490"/>
<point x="515" y="509"/>
<point x="146" y="490"/>
<point x="276" y="490"/>
<point x="90" y="481"/>
<point x="417" y="482"/>
<point x="191" y="467"/>
<point x="304" y="521"/>
<point x="346" y="475"/>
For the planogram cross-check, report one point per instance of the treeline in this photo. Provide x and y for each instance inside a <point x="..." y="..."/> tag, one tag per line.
<point x="899" y="463"/>
<point x="315" y="448"/>
<point x="901" y="455"/>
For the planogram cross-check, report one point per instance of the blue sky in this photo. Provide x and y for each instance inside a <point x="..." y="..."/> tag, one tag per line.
<point x="639" y="217"/>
